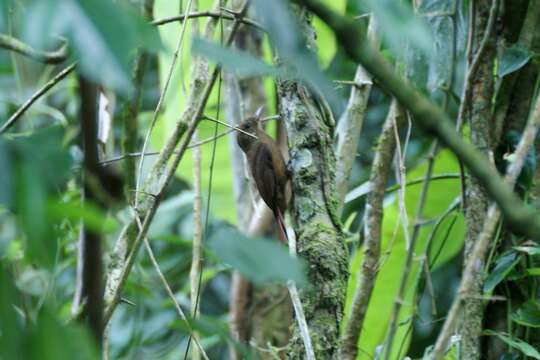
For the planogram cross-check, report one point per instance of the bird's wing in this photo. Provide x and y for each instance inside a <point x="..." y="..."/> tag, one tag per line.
<point x="264" y="175"/>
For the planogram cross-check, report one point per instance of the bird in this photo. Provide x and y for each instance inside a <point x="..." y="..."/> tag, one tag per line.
<point x="267" y="165"/>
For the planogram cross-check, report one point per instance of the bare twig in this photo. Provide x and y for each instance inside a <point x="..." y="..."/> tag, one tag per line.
<point x="198" y="14"/>
<point x="475" y="263"/>
<point x="46" y="57"/>
<point x="207" y="117"/>
<point x="190" y="146"/>
<point x="20" y="111"/>
<point x="169" y="291"/>
<point x="410" y="242"/>
<point x="350" y="125"/>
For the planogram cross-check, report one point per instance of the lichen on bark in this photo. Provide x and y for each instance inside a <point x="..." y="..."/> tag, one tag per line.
<point x="313" y="213"/>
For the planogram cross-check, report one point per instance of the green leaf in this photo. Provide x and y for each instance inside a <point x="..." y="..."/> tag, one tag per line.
<point x="102" y="44"/>
<point x="513" y="58"/>
<point x="533" y="271"/>
<point x="259" y="260"/>
<point x="528" y="314"/>
<point x="400" y="26"/>
<point x="529" y="250"/>
<point x="519" y="344"/>
<point x="239" y="62"/>
<point x="503" y="267"/>
<point x="48" y="340"/>
<point x="33" y="282"/>
<point x="92" y="216"/>
<point x="295" y="55"/>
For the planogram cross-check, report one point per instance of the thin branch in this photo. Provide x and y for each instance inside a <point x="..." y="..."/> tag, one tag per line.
<point x="20" y="111"/>
<point x="522" y="219"/>
<point x="207" y="117"/>
<point x="350" y="124"/>
<point x="46" y="57"/>
<point x="467" y="89"/>
<point x="196" y="256"/>
<point x="476" y="258"/>
<point x="380" y="172"/>
<point x="297" y="303"/>
<point x="410" y="242"/>
<point x="364" y="189"/>
<point x="170" y="292"/>
<point x="198" y="14"/>
<point x="190" y="146"/>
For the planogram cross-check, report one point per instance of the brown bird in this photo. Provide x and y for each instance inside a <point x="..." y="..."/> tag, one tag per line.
<point x="267" y="166"/>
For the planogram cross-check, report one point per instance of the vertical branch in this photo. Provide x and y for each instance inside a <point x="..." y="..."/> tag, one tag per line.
<point x="313" y="214"/>
<point x="196" y="258"/>
<point x="196" y="251"/>
<point x="129" y="145"/>
<point x="131" y="108"/>
<point x="90" y="241"/>
<point x="350" y="124"/>
<point x="477" y="199"/>
<point x="379" y="175"/>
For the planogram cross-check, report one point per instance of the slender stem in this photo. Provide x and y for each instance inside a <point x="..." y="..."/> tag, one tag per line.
<point x="20" y="111"/>
<point x="46" y="57"/>
<point x="198" y="14"/>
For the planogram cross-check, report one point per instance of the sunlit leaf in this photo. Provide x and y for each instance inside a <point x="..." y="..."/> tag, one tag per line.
<point x="93" y="217"/>
<point x="513" y="58"/>
<point x="502" y="268"/>
<point x="528" y="314"/>
<point x="519" y="344"/>
<point x="259" y="260"/>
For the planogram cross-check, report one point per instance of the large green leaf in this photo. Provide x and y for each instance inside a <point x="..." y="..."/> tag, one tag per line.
<point x="502" y="268"/>
<point x="399" y="25"/>
<point x="519" y="344"/>
<point x="528" y="314"/>
<point x="38" y="164"/>
<point x="295" y="55"/>
<point x="513" y="59"/>
<point x="259" y="260"/>
<point x="102" y="35"/>
<point x="447" y="241"/>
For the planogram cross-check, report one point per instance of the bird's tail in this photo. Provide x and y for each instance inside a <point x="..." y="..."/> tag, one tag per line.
<point x="282" y="229"/>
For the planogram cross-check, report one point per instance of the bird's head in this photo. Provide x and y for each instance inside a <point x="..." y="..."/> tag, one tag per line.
<point x="249" y="129"/>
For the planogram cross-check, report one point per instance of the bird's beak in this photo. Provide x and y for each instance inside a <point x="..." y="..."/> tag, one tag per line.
<point x="258" y="113"/>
